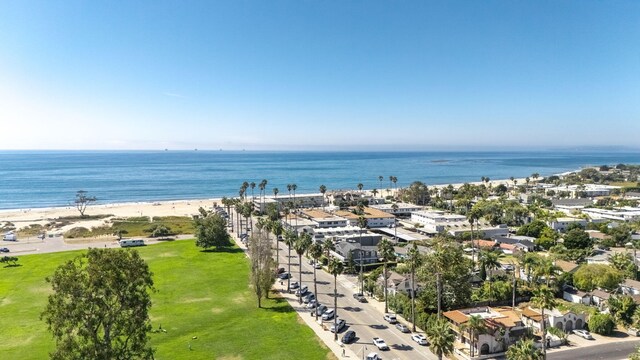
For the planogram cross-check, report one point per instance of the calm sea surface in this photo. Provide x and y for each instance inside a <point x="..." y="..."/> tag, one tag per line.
<point x="30" y="179"/>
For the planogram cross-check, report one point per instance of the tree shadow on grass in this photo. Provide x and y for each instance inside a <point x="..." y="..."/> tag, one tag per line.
<point x="230" y="250"/>
<point x="12" y="265"/>
<point x="281" y="305"/>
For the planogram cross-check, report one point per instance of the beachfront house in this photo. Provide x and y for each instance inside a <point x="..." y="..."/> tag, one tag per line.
<point x="375" y="218"/>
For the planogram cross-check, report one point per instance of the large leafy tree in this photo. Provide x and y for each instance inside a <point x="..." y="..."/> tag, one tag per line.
<point x="577" y="239"/>
<point x="417" y="193"/>
<point x="211" y="230"/>
<point x="262" y="274"/>
<point x="591" y="276"/>
<point x="99" y="308"/>
<point x="448" y="260"/>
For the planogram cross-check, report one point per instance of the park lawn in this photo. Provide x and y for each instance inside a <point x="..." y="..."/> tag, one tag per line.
<point x="198" y="294"/>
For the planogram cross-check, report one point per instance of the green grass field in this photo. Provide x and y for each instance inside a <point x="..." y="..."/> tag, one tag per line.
<point x="198" y="294"/>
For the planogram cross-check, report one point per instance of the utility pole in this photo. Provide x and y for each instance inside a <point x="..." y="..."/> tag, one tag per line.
<point x="439" y="287"/>
<point x="513" y="299"/>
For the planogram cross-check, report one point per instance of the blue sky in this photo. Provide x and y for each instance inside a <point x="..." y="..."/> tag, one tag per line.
<point x="389" y="75"/>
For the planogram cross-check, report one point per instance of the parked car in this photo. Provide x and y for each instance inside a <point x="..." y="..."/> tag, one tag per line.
<point x="380" y="344"/>
<point x="348" y="337"/>
<point x="318" y="265"/>
<point x="360" y="297"/>
<point x="294" y="285"/>
<point x="309" y="297"/>
<point x="402" y="327"/>
<point x="320" y="309"/>
<point x="284" y="276"/>
<point x="280" y="270"/>
<point x="4" y="250"/>
<point x="420" y="339"/>
<point x="391" y="318"/>
<point x="313" y="303"/>
<point x="583" y="334"/>
<point x="328" y="315"/>
<point x="633" y="332"/>
<point x="340" y="325"/>
<point x="373" y="356"/>
<point x="302" y="290"/>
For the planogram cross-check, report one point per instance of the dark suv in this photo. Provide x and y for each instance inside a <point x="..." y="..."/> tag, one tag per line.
<point x="348" y="337"/>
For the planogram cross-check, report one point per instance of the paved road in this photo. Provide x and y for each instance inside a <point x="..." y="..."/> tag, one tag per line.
<point x="607" y="351"/>
<point x="363" y="318"/>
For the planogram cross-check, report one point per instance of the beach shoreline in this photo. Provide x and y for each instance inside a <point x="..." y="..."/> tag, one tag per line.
<point x="22" y="218"/>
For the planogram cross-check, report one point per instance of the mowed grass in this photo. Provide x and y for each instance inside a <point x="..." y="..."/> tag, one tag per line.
<point x="199" y="294"/>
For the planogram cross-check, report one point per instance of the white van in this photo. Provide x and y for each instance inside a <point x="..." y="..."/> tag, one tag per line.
<point x="10" y="236"/>
<point x="131" y="242"/>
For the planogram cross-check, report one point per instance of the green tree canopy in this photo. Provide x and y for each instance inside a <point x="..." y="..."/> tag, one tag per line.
<point x="591" y="276"/>
<point x="533" y="229"/>
<point x="602" y="324"/>
<point x="99" y="308"/>
<point x="577" y="239"/>
<point x="211" y="231"/>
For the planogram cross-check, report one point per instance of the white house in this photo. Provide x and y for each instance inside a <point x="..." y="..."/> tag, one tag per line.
<point x="375" y="218"/>
<point x="561" y="224"/>
<point x="576" y="296"/>
<point x="566" y="321"/>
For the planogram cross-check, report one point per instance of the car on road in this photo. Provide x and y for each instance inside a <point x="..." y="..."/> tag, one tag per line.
<point x="360" y="297"/>
<point x="391" y="318"/>
<point x="348" y="337"/>
<point x="328" y="315"/>
<point x="380" y="344"/>
<point x="402" y="327"/>
<point x="4" y="250"/>
<point x="294" y="285"/>
<point x="319" y="310"/>
<point x="280" y="271"/>
<point x="420" y="339"/>
<point x="340" y="325"/>
<point x="317" y="265"/>
<point x="373" y="356"/>
<point x="302" y="290"/>
<point x="308" y="298"/>
<point x="583" y="334"/>
<point x="312" y="304"/>
<point x="284" y="276"/>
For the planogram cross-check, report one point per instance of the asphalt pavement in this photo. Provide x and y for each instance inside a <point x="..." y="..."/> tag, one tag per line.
<point x="607" y="351"/>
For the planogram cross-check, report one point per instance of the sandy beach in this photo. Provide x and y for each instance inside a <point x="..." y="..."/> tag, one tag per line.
<point x="22" y="218"/>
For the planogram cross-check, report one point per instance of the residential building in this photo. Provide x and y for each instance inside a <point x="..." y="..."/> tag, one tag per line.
<point x="576" y="296"/>
<point x="404" y="209"/>
<point x="630" y="287"/>
<point x="524" y="243"/>
<point x="561" y="224"/>
<point x="563" y="320"/>
<point x="587" y="190"/>
<point x="600" y="298"/>
<point x="375" y="218"/>
<point x="299" y="201"/>
<point x="619" y="214"/>
<point x="368" y="253"/>
<point x="324" y="219"/>
<point x="504" y="328"/>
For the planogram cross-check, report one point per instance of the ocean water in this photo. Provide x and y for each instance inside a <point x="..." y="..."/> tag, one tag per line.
<point x="31" y="179"/>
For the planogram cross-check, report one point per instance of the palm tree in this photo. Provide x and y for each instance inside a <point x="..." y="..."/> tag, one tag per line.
<point x="360" y="186"/>
<point x="440" y="336"/>
<point x="335" y="268"/>
<point x="390" y="181"/>
<point x="547" y="269"/>
<point x="528" y="262"/>
<point x="489" y="260"/>
<point x="275" y="192"/>
<point x="475" y="326"/>
<point x="252" y="186"/>
<point x="394" y="207"/>
<point x="524" y="349"/>
<point x="295" y="205"/>
<point x="276" y="227"/>
<point x="323" y="190"/>
<point x="290" y="238"/>
<point x="315" y="252"/>
<point x="362" y="223"/>
<point x="543" y="298"/>
<point x="386" y="252"/>
<point x="380" y="178"/>
<point x="414" y="260"/>
<point x="327" y="247"/>
<point x="395" y="180"/>
<point x="374" y="192"/>
<point x="301" y="245"/>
